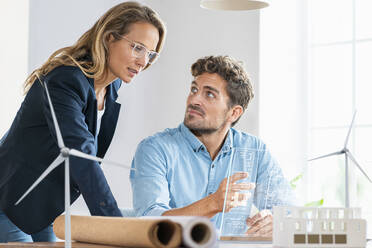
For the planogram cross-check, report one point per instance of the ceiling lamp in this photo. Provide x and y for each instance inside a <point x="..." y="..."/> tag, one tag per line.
<point x="233" y="4"/>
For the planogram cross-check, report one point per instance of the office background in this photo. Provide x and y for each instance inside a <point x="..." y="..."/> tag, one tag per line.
<point x="308" y="60"/>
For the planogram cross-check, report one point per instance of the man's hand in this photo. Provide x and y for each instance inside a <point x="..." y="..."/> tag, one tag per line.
<point x="213" y="204"/>
<point x="234" y="198"/>
<point x="261" y="224"/>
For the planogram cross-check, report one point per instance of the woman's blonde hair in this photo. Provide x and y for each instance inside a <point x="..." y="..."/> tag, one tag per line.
<point x="89" y="53"/>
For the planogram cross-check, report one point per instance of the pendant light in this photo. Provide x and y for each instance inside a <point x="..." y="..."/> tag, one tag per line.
<point x="233" y="4"/>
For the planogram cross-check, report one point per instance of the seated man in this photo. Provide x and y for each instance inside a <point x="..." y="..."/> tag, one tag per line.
<point x="184" y="171"/>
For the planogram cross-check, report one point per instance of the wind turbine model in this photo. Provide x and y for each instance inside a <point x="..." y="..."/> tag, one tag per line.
<point x="64" y="157"/>
<point x="348" y="155"/>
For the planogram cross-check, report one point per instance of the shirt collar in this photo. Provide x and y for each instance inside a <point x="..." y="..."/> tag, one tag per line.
<point x="228" y="144"/>
<point x="111" y="89"/>
<point x="197" y="145"/>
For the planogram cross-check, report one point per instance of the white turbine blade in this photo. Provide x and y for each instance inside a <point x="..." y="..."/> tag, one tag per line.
<point x="327" y="155"/>
<point x="79" y="154"/>
<point x="67" y="205"/>
<point x="349" y="131"/>
<point x="56" y="126"/>
<point x="51" y="167"/>
<point x="359" y="167"/>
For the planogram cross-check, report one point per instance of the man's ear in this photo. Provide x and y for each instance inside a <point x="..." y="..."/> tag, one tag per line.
<point x="236" y="112"/>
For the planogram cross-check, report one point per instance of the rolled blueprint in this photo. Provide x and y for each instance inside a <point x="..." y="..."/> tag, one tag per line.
<point x="132" y="232"/>
<point x="196" y="231"/>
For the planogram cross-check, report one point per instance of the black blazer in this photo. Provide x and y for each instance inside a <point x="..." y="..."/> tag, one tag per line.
<point x="30" y="145"/>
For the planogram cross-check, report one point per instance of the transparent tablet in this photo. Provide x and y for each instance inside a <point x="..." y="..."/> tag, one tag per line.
<point x="271" y="189"/>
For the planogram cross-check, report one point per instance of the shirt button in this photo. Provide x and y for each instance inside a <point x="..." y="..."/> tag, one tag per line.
<point x="212" y="165"/>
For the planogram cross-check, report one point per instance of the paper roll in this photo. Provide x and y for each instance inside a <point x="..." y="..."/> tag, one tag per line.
<point x="132" y="232"/>
<point x="196" y="231"/>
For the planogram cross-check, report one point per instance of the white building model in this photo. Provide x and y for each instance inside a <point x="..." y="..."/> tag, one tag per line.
<point x="318" y="227"/>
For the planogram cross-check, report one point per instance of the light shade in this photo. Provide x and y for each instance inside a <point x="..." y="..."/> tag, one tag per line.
<point x="233" y="4"/>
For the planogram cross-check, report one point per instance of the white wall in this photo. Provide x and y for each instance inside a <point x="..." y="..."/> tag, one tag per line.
<point x="283" y="84"/>
<point x="13" y="58"/>
<point x="155" y="99"/>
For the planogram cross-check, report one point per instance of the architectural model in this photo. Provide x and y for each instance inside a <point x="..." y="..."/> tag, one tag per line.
<point x="318" y="227"/>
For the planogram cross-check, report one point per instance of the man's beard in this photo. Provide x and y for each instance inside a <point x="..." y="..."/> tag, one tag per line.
<point x="200" y="129"/>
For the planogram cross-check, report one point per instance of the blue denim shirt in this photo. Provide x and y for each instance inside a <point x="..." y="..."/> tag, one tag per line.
<point x="174" y="169"/>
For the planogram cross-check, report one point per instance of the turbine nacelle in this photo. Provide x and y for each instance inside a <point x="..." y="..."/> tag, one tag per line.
<point x="345" y="150"/>
<point x="65" y="152"/>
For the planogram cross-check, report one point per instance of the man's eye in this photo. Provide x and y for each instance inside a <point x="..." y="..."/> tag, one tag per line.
<point x="210" y="95"/>
<point x="194" y="90"/>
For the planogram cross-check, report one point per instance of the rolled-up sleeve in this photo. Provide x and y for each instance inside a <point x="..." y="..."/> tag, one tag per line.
<point x="149" y="180"/>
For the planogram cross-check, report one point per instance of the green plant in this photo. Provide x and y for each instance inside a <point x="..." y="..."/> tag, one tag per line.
<point x="293" y="184"/>
<point x="294" y="181"/>
<point x="315" y="203"/>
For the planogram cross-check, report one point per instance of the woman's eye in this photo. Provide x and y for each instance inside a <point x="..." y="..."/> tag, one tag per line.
<point x="139" y="49"/>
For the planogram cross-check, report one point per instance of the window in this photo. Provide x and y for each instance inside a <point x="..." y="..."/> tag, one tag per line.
<point x="340" y="60"/>
<point x="315" y="60"/>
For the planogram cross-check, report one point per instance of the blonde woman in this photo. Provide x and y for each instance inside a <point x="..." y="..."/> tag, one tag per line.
<point x="83" y="81"/>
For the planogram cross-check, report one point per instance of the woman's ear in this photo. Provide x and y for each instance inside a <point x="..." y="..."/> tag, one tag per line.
<point x="110" y="38"/>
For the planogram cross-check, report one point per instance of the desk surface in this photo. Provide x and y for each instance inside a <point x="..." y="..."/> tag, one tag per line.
<point x="221" y="244"/>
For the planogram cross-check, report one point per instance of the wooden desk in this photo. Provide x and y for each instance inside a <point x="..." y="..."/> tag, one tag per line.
<point x="221" y="244"/>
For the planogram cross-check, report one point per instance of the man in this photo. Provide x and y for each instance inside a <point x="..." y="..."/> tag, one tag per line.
<point x="185" y="170"/>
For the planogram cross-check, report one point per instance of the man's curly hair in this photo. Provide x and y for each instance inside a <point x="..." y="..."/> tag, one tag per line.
<point x="238" y="87"/>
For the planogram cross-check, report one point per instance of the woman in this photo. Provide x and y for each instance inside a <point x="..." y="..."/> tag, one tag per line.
<point x="83" y="81"/>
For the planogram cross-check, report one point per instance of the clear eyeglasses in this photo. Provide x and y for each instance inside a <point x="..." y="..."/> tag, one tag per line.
<point x="139" y="51"/>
